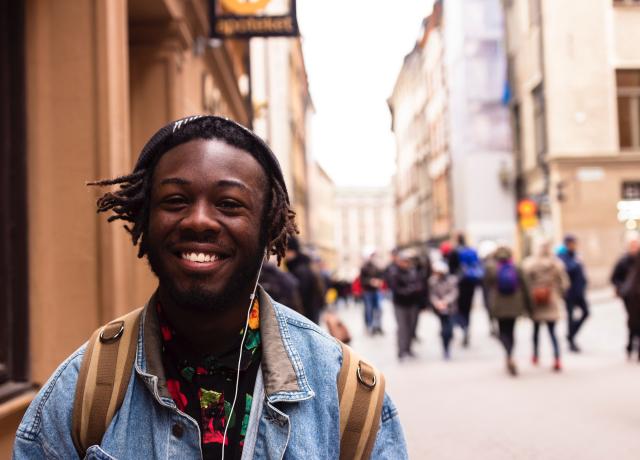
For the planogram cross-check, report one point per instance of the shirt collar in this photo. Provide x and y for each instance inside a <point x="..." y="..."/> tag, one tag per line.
<point x="282" y="369"/>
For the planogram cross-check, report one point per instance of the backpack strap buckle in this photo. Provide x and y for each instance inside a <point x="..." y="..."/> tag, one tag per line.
<point x="112" y="332"/>
<point x="369" y="379"/>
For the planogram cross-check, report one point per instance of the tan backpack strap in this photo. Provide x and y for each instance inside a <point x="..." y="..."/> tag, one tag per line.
<point x="361" y="394"/>
<point x="103" y="379"/>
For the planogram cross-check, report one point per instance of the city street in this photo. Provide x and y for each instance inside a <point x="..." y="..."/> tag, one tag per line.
<point x="470" y="408"/>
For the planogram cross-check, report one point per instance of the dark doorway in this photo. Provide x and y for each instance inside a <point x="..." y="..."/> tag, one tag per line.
<point x="13" y="211"/>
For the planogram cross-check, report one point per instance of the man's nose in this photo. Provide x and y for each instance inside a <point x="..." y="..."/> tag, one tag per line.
<point x="202" y="217"/>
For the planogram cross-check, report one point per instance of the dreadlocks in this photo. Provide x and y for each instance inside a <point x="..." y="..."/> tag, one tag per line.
<point x="130" y="202"/>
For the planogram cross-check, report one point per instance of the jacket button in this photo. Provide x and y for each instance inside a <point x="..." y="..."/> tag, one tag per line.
<point x="177" y="430"/>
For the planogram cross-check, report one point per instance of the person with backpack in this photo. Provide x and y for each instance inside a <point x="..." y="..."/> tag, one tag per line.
<point x="211" y="367"/>
<point x="466" y="264"/>
<point x="547" y="282"/>
<point x="508" y="297"/>
<point x="443" y="296"/>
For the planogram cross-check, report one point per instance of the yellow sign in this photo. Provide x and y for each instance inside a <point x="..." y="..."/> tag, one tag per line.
<point x="528" y="212"/>
<point x="245" y="6"/>
<point x="527" y="208"/>
<point x="528" y="222"/>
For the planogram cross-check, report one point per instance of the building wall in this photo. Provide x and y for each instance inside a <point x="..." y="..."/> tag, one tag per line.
<point x="437" y="128"/>
<point x="322" y="215"/>
<point x="299" y="109"/>
<point x="574" y="58"/>
<point x="594" y="184"/>
<point x="479" y="128"/>
<point x="418" y="107"/>
<point x="270" y="90"/>
<point x="577" y="66"/>
<point x="282" y="106"/>
<point x="453" y="129"/>
<point x="365" y="223"/>
<point x="411" y="187"/>
<point x="101" y="77"/>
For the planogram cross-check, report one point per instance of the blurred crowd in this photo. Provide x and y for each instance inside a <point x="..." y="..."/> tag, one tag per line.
<point x="545" y="287"/>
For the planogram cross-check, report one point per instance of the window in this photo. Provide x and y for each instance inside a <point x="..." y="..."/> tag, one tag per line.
<point x="631" y="190"/>
<point x="13" y="239"/>
<point x="628" y="82"/>
<point x="540" y="122"/>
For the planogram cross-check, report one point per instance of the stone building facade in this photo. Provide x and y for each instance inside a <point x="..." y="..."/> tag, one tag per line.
<point x="575" y="106"/>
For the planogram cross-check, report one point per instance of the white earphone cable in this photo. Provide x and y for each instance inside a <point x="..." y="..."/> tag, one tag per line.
<point x="244" y="336"/>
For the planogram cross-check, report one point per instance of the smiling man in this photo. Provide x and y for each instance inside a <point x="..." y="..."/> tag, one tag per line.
<point x="217" y="369"/>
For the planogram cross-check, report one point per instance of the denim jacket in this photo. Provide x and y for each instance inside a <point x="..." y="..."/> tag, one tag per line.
<point x="295" y="412"/>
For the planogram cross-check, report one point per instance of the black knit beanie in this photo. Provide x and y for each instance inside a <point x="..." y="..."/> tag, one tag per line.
<point x="233" y="133"/>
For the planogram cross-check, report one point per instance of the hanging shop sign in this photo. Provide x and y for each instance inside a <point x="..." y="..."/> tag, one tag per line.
<point x="253" y="18"/>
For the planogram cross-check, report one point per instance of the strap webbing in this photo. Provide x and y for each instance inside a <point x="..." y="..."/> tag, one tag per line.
<point x="361" y="395"/>
<point x="103" y="379"/>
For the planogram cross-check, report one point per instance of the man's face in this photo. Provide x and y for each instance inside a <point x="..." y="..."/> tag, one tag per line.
<point x="572" y="245"/>
<point x="404" y="263"/>
<point x="203" y="238"/>
<point x="634" y="246"/>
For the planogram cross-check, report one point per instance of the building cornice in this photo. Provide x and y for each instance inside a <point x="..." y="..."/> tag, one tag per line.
<point x="618" y="157"/>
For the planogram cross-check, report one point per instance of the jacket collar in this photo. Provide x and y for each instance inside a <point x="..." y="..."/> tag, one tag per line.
<point x="282" y="369"/>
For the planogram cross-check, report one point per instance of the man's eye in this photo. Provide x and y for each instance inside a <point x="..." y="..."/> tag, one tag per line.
<point x="229" y="204"/>
<point x="174" y="201"/>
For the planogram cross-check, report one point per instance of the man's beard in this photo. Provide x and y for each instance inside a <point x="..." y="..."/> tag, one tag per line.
<point x="200" y="299"/>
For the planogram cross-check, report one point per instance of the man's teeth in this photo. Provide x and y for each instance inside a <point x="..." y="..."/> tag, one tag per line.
<point x="200" y="257"/>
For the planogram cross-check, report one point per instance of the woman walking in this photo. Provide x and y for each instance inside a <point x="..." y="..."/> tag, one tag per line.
<point x="508" y="299"/>
<point x="547" y="281"/>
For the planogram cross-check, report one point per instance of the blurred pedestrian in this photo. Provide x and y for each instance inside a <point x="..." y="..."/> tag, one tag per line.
<point x="344" y="292"/>
<point x="621" y="273"/>
<point x="465" y="263"/>
<point x="486" y="252"/>
<point x="443" y="296"/>
<point x="446" y="250"/>
<point x="371" y="282"/>
<point x="631" y="293"/>
<point x="282" y="286"/>
<point x="356" y="290"/>
<point x="508" y="299"/>
<point x="423" y="265"/>
<point x="310" y="284"/>
<point x="576" y="294"/>
<point x="547" y="282"/>
<point x="407" y="290"/>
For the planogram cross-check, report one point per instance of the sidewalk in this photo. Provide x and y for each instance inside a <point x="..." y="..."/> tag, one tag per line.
<point x="470" y="408"/>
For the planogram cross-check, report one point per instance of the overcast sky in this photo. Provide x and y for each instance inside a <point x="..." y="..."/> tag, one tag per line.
<point x="353" y="51"/>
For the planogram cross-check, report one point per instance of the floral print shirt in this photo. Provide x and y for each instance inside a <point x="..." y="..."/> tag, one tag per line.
<point x="202" y="386"/>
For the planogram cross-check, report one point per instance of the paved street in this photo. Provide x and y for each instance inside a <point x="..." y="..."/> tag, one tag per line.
<point x="469" y="408"/>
